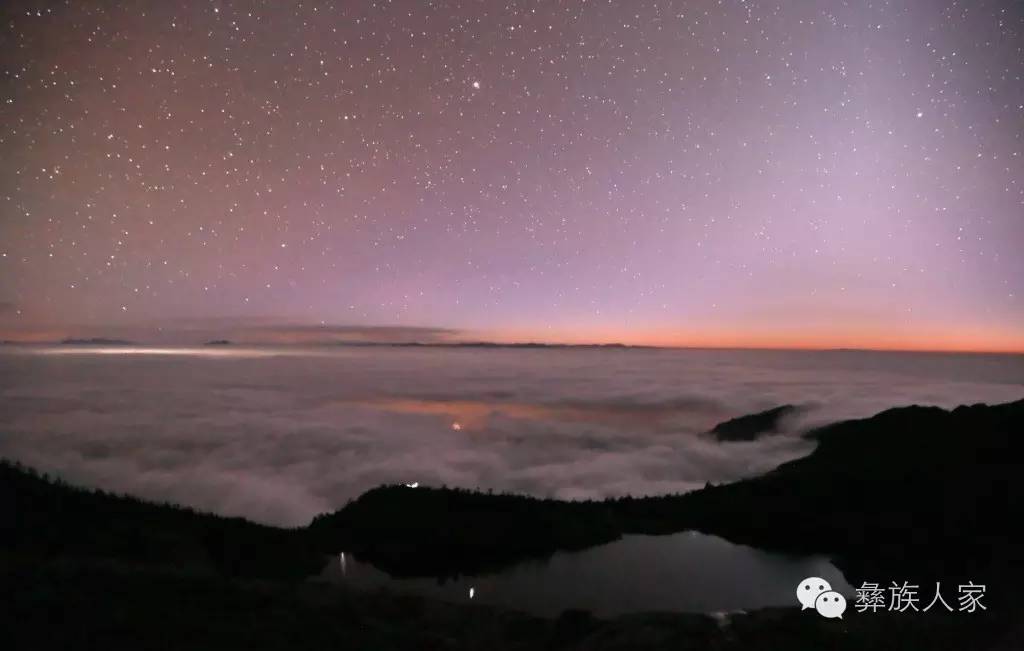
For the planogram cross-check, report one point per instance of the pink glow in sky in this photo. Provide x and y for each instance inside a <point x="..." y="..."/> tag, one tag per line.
<point x="813" y="174"/>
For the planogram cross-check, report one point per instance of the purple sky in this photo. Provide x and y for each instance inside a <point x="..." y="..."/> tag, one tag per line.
<point x="696" y="173"/>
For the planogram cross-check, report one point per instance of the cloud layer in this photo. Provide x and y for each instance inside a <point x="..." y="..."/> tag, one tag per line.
<point x="279" y="435"/>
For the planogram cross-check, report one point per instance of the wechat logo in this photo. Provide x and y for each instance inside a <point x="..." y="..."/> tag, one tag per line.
<point x="814" y="592"/>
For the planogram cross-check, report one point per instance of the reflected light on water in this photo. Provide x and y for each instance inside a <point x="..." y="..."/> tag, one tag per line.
<point x="681" y="572"/>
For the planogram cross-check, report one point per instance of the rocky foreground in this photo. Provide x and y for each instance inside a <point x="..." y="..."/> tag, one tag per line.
<point x="915" y="493"/>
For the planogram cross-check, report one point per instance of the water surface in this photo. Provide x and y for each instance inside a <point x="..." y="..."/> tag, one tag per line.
<point x="684" y="572"/>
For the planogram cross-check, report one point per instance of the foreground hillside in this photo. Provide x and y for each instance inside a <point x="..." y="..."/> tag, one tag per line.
<point x="912" y="493"/>
<point x="112" y="607"/>
<point x="45" y="519"/>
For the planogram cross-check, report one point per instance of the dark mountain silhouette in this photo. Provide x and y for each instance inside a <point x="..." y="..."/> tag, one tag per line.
<point x="752" y="426"/>
<point x="49" y="519"/>
<point x="911" y="491"/>
<point x="915" y="493"/>
<point x="439" y="531"/>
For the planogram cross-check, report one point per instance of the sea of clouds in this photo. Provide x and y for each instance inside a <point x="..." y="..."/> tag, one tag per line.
<point x="281" y="434"/>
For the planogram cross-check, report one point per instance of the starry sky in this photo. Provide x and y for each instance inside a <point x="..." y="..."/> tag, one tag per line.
<point x="700" y="173"/>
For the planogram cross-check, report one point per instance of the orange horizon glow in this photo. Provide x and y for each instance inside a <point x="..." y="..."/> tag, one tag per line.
<point x="962" y="342"/>
<point x="966" y="341"/>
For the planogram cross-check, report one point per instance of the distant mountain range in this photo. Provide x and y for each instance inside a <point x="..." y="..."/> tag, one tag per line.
<point x="480" y="344"/>
<point x="108" y="341"/>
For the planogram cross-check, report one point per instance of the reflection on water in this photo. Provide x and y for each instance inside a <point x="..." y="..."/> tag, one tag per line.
<point x="684" y="572"/>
